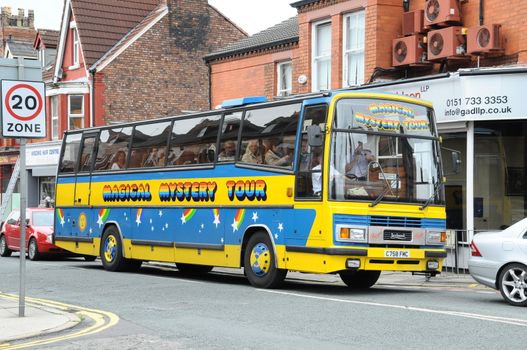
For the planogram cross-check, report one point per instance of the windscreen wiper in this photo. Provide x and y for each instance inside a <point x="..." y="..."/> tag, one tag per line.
<point x="429" y="200"/>
<point x="381" y="196"/>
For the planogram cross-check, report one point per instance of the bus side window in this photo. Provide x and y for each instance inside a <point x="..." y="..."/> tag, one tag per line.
<point x="269" y="134"/>
<point x="193" y="140"/>
<point x="70" y="154"/>
<point x="151" y="140"/>
<point x="229" y="137"/>
<point x="112" y="142"/>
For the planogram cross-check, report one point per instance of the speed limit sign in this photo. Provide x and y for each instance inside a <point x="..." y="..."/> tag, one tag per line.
<point x="23" y="109"/>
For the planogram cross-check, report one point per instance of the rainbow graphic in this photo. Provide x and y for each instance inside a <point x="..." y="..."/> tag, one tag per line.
<point x="216" y="212"/>
<point x="238" y="218"/>
<point x="188" y="214"/>
<point x="138" y="216"/>
<point x="60" y="216"/>
<point x="103" y="214"/>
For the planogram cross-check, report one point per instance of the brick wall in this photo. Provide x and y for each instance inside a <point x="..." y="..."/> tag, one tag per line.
<point x="164" y="70"/>
<point x="16" y="25"/>
<point x="383" y="24"/>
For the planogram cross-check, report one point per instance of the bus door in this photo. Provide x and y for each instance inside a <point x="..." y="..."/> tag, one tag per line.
<point x="84" y="169"/>
<point x="309" y="185"/>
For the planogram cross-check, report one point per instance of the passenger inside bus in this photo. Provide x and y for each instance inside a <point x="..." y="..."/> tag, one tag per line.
<point x="276" y="155"/>
<point x="119" y="161"/>
<point x="229" y="151"/>
<point x="252" y="154"/>
<point x="358" y="164"/>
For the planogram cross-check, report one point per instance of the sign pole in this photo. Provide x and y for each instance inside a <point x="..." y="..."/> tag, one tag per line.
<point x="23" y="205"/>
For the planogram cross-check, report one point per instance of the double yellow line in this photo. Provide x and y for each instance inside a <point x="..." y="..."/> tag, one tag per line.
<point x="102" y="321"/>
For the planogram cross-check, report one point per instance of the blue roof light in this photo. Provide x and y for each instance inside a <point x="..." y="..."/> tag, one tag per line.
<point x="243" y="101"/>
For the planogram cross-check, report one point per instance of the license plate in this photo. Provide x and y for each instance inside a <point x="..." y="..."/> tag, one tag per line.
<point x="396" y="254"/>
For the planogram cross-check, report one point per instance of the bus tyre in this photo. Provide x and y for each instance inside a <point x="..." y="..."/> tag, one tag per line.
<point x="4" y="251"/>
<point x="112" y="250"/>
<point x="359" y="279"/>
<point x="260" y="263"/>
<point x="192" y="270"/>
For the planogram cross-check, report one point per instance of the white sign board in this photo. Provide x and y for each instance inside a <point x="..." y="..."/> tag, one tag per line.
<point x="23" y="109"/>
<point x="469" y="97"/>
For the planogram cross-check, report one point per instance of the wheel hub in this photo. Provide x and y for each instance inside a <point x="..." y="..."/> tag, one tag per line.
<point x="110" y="248"/>
<point x="260" y="259"/>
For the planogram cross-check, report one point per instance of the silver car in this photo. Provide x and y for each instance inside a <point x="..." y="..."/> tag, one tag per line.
<point x="499" y="260"/>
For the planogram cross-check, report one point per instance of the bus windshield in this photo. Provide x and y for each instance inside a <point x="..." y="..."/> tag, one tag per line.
<point x="384" y="150"/>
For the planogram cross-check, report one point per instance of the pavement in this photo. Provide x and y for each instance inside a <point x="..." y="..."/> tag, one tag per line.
<point x="43" y="319"/>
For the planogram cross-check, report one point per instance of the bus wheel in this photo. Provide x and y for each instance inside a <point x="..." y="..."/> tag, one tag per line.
<point x="191" y="269"/>
<point x="259" y="263"/>
<point x="112" y="250"/>
<point x="359" y="279"/>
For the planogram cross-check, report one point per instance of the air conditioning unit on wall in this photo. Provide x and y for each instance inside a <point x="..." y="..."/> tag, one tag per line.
<point x="413" y="22"/>
<point x="440" y="13"/>
<point x="444" y="43"/>
<point x="484" y="39"/>
<point x="408" y="50"/>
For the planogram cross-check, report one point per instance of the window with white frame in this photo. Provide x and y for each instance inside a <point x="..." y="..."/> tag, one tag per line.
<point x="75" y="112"/>
<point x="42" y="56"/>
<point x="285" y="78"/>
<point x="54" y="117"/>
<point x="75" y="47"/>
<point x="321" y="56"/>
<point x="353" y="49"/>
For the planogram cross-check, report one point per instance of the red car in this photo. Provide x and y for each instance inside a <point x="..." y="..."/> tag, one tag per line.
<point x="38" y="233"/>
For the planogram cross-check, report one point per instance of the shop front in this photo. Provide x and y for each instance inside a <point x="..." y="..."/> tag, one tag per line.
<point x="41" y="165"/>
<point x="480" y="112"/>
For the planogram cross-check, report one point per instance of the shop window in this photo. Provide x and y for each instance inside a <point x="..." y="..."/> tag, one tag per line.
<point x="75" y="112"/>
<point x="321" y="56"/>
<point x="353" y="49"/>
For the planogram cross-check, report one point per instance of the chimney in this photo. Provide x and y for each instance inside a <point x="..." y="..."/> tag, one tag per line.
<point x="5" y="15"/>
<point x="31" y="18"/>
<point x="20" y="18"/>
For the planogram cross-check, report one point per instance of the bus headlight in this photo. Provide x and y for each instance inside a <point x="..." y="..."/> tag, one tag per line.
<point x="351" y="234"/>
<point x="435" y="237"/>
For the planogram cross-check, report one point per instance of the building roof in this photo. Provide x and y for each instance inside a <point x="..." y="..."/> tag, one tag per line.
<point x="152" y="18"/>
<point x="102" y="23"/>
<point x="283" y="33"/>
<point x="301" y="3"/>
<point x="49" y="37"/>
<point x="21" y="49"/>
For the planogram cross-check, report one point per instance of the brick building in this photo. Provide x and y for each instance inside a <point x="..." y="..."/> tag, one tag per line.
<point x="17" y="33"/>
<point x="120" y="63"/>
<point x="468" y="57"/>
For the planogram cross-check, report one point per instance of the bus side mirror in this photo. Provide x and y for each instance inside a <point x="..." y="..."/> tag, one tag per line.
<point x="315" y="136"/>
<point x="455" y="157"/>
<point x="456" y="161"/>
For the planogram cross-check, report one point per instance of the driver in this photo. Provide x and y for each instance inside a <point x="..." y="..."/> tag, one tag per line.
<point x="357" y="166"/>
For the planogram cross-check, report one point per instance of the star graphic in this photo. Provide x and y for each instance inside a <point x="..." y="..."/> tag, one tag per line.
<point x="183" y="220"/>
<point x="202" y="226"/>
<point x="255" y="216"/>
<point x="150" y="220"/>
<point x="91" y="231"/>
<point x="160" y="213"/>
<point x="234" y="225"/>
<point x="276" y="236"/>
<point x="221" y="240"/>
<point x="138" y="221"/>
<point x="216" y="220"/>
<point x="62" y="222"/>
<point x="152" y="228"/>
<point x="99" y="220"/>
<point x="280" y="227"/>
<point x="166" y="225"/>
